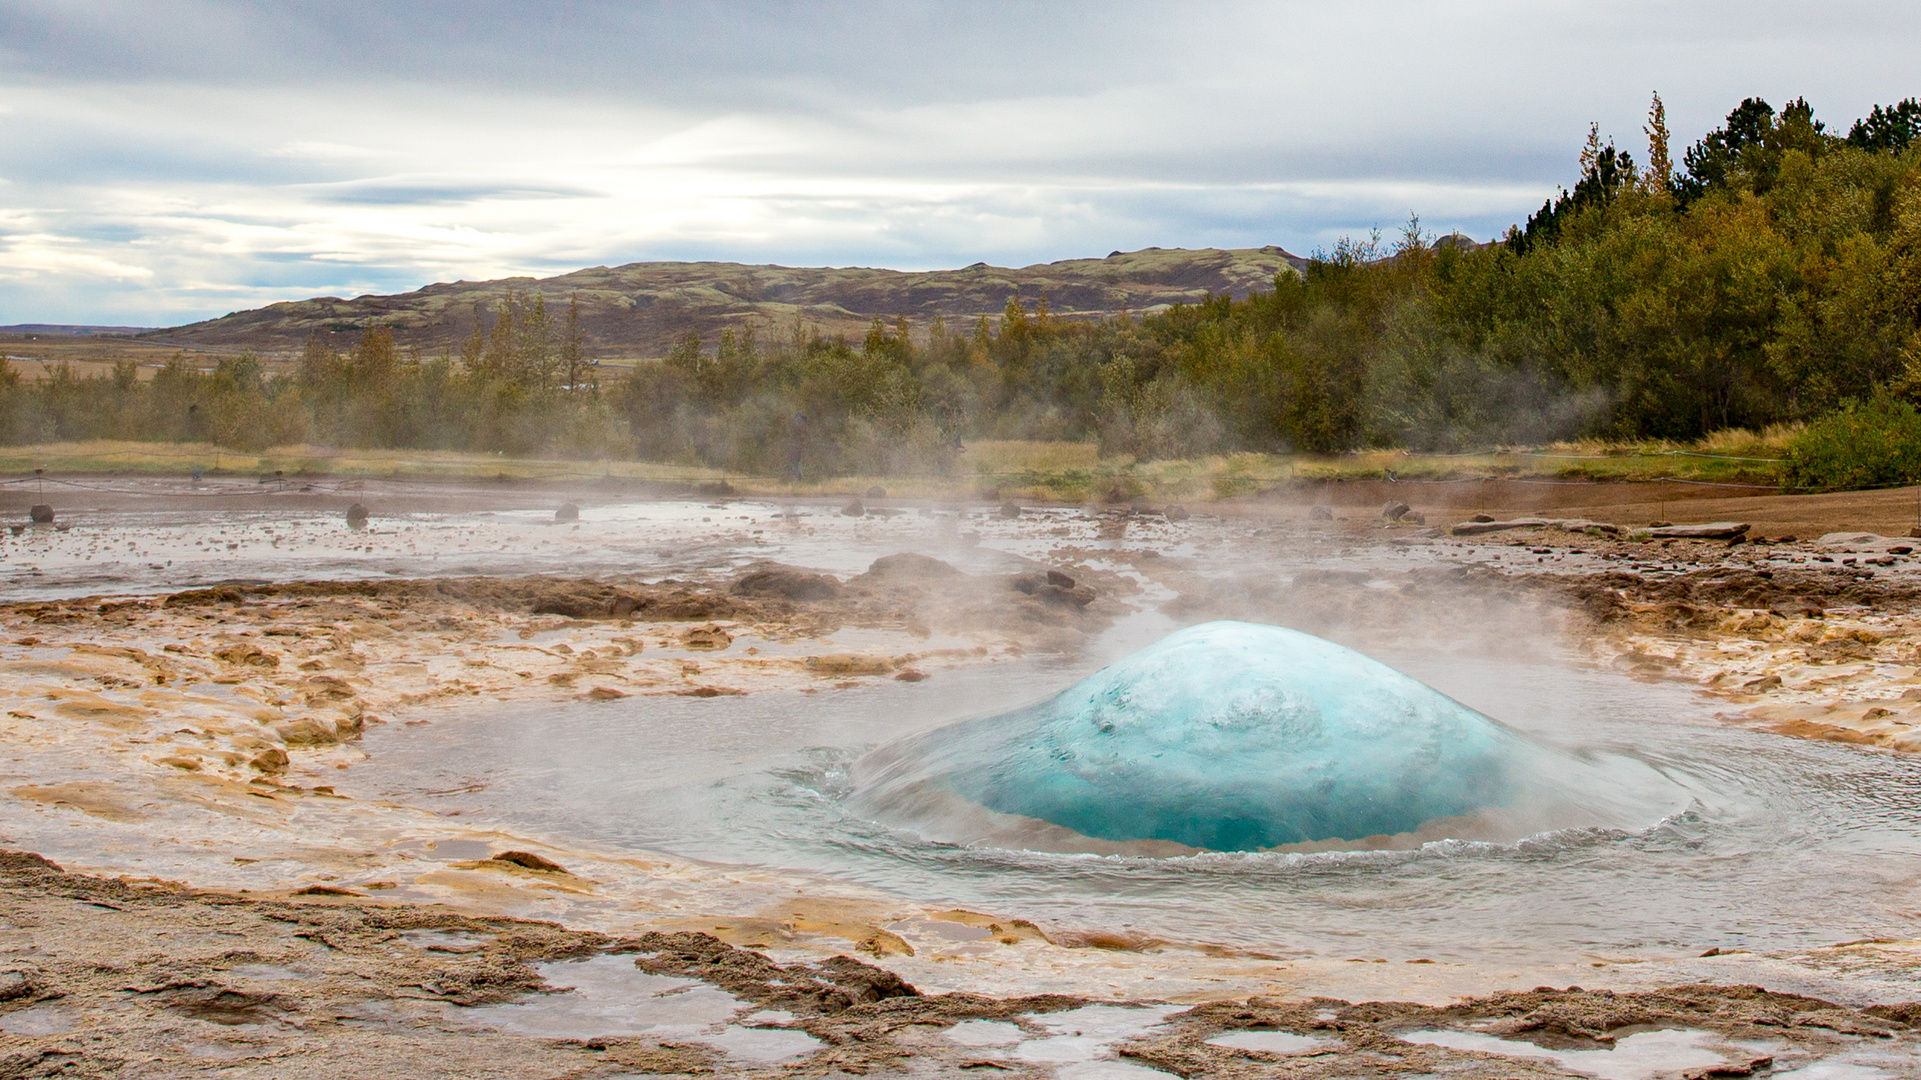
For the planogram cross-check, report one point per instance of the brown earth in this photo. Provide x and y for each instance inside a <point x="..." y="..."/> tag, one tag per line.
<point x="128" y="979"/>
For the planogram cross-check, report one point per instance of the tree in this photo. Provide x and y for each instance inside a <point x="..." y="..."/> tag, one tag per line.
<point x="1888" y="129"/>
<point x="570" y="345"/>
<point x="1711" y="161"/>
<point x="1660" y="174"/>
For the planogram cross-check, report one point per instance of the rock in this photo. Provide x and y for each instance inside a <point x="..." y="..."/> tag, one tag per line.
<point x="41" y="514"/>
<point x="1481" y="523"/>
<point x="1177" y="512"/>
<point x="706" y="639"/>
<point x="835" y="664"/>
<point x="1053" y="587"/>
<point x="247" y="654"/>
<point x="567" y="512"/>
<point x="1413" y="517"/>
<point x="787" y="583"/>
<point x="305" y="731"/>
<point x="1010" y="510"/>
<point x="907" y="564"/>
<point x="357" y="515"/>
<point x="14" y="985"/>
<point x="910" y="675"/>
<point x="853" y="509"/>
<point x="1713" y="530"/>
<point x="1476" y="528"/>
<point x="320" y="688"/>
<point x="604" y="693"/>
<point x="1394" y="511"/>
<point x="1320" y="513"/>
<point x="530" y="861"/>
<point x="877" y="492"/>
<point x="272" y="761"/>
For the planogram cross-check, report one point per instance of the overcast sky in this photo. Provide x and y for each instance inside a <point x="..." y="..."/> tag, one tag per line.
<point x="167" y="161"/>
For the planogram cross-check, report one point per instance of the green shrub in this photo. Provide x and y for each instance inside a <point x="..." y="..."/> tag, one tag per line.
<point x="1877" y="444"/>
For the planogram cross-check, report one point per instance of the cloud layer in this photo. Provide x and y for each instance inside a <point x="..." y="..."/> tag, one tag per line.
<point x="161" y="162"/>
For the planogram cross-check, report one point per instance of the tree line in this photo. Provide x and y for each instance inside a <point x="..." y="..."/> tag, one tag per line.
<point x="1770" y="274"/>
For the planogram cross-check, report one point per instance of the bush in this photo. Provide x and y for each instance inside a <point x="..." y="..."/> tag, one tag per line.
<point x="1877" y="444"/>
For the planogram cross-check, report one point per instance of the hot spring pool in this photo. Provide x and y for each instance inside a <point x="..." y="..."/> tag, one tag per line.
<point x="1682" y="833"/>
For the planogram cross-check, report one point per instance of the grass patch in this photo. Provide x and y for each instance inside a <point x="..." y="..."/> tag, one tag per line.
<point x="1075" y="471"/>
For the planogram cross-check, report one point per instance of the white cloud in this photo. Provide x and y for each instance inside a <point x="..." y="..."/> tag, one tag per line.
<point x="159" y="163"/>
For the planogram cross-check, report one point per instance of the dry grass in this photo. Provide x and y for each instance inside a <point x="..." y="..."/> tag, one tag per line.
<point x="1056" y="471"/>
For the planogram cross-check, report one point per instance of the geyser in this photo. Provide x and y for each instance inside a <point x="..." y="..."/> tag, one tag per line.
<point x="1226" y="736"/>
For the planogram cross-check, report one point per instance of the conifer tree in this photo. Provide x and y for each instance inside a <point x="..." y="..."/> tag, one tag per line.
<point x="1660" y="172"/>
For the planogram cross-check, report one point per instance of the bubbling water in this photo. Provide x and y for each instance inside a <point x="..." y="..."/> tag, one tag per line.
<point x="1232" y="736"/>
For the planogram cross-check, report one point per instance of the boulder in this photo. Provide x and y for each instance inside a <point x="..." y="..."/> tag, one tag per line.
<point x="909" y="565"/>
<point x="567" y="512"/>
<point x="1011" y="510"/>
<point x="356" y="515"/>
<point x="1394" y="511"/>
<point x="529" y="861"/>
<point x="853" y="509"/>
<point x="787" y="583"/>
<point x="41" y="514"/>
<point x="1320" y="513"/>
<point x="1177" y="512"/>
<point x="877" y="492"/>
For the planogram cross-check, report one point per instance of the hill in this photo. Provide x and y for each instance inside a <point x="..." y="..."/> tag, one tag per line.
<point x="640" y="309"/>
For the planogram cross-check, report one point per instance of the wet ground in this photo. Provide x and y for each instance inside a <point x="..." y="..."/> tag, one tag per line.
<point x="398" y="733"/>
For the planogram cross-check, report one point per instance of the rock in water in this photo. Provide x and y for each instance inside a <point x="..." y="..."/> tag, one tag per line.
<point x="1227" y="736"/>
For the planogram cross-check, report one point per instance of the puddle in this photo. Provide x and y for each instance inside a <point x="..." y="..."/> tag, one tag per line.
<point x="763" y="1045"/>
<point x="1640" y="1056"/>
<point x="1108" y="1070"/>
<point x="445" y="941"/>
<point x="1835" y="1070"/>
<point x="608" y="997"/>
<point x="1090" y="1032"/>
<point x="1271" y="1042"/>
<point x="985" y="1033"/>
<point x="455" y="850"/>
<point x="38" y="1020"/>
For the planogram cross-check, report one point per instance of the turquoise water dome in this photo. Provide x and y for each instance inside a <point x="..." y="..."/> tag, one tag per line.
<point x="1227" y="736"/>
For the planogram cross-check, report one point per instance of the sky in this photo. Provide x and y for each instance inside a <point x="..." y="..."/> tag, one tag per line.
<point x="163" y="162"/>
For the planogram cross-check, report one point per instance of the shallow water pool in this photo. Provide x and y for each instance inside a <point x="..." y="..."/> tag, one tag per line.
<point x="1777" y="843"/>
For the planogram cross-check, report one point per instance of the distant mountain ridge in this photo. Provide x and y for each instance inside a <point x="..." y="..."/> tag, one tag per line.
<point x="643" y="308"/>
<point x="75" y="330"/>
